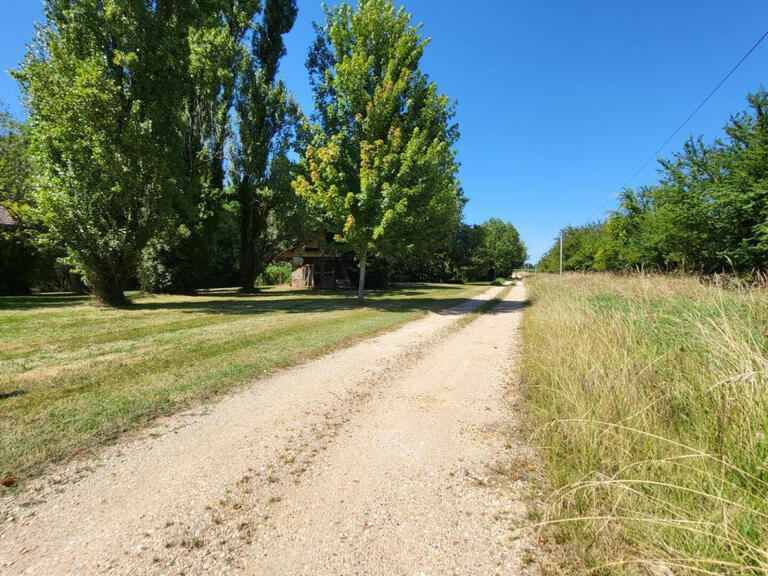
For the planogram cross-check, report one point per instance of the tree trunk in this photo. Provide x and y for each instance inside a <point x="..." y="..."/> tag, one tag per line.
<point x="254" y="249"/>
<point x="109" y="292"/>
<point x="247" y="256"/>
<point x="361" y="283"/>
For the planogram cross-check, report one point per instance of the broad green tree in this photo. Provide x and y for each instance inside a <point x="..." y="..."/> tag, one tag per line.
<point x="500" y="251"/>
<point x="381" y="165"/>
<point x="15" y="166"/>
<point x="105" y="83"/>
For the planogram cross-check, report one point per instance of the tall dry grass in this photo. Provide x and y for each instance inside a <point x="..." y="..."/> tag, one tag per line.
<point x="649" y="398"/>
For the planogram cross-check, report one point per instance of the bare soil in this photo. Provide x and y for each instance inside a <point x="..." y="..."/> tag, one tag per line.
<point x="389" y="457"/>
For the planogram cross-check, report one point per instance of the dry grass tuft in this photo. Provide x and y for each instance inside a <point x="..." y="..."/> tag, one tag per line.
<point x="649" y="398"/>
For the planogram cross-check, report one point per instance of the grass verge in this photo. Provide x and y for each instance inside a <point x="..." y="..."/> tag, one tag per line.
<point x="73" y="376"/>
<point x="497" y="282"/>
<point x="649" y="399"/>
<point x="485" y="308"/>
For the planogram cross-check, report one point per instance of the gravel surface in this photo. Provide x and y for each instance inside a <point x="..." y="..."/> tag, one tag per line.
<point x="388" y="457"/>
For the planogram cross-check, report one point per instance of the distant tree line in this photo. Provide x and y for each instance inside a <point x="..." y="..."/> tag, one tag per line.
<point x="163" y="152"/>
<point x="481" y="252"/>
<point x="707" y="214"/>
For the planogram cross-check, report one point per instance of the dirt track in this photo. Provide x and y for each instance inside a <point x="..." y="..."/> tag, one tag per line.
<point x="388" y="457"/>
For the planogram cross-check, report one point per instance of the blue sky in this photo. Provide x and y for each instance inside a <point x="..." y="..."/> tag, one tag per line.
<point x="559" y="102"/>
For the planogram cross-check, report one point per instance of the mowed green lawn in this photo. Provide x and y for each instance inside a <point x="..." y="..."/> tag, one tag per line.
<point x="74" y="376"/>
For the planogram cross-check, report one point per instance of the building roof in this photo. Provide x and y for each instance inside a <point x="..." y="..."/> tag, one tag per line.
<point x="6" y="220"/>
<point x="303" y="247"/>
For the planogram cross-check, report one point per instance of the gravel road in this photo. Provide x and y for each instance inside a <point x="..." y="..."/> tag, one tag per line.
<point x="389" y="457"/>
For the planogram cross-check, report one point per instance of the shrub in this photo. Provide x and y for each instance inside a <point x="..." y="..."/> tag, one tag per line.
<point x="277" y="274"/>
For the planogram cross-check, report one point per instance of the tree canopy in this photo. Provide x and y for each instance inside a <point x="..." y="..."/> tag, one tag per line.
<point x="164" y="152"/>
<point x="19" y="255"/>
<point x="381" y="165"/>
<point x="131" y="114"/>
<point x="708" y="213"/>
<point x="104" y="83"/>
<point x="268" y="122"/>
<point x="500" y="252"/>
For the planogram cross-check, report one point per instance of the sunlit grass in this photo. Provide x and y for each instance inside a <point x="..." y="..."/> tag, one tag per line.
<point x="649" y="398"/>
<point x="73" y="376"/>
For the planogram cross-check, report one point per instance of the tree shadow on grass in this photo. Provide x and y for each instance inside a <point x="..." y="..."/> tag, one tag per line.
<point x="507" y="307"/>
<point x="310" y="303"/>
<point x="277" y="292"/>
<point x="403" y="298"/>
<point x="408" y="298"/>
<point x="47" y="300"/>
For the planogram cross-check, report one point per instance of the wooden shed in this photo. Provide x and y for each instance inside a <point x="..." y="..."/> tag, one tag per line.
<point x="315" y="265"/>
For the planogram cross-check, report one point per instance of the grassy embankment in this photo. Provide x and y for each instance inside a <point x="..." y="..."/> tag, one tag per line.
<point x="73" y="376"/>
<point x="649" y="398"/>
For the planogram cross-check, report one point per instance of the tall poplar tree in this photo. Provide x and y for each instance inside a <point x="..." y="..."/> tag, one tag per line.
<point x="105" y="83"/>
<point x="187" y="252"/>
<point x="381" y="165"/>
<point x="267" y="118"/>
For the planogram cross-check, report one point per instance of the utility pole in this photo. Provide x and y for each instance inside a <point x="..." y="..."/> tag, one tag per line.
<point x="561" y="254"/>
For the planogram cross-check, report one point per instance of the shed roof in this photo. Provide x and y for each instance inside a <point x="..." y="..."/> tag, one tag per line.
<point x="6" y="220"/>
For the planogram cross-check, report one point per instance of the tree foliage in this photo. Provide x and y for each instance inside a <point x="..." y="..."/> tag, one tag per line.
<point x="500" y="251"/>
<point x="480" y="252"/>
<point x="19" y="256"/>
<point x="197" y="246"/>
<point x="708" y="213"/>
<point x="131" y="118"/>
<point x="16" y="168"/>
<point x="164" y="151"/>
<point x="381" y="165"/>
<point x="105" y="86"/>
<point x="268" y="123"/>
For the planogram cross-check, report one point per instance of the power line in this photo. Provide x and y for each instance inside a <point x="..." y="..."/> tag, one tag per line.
<point x="600" y="209"/>
<point x="685" y="122"/>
